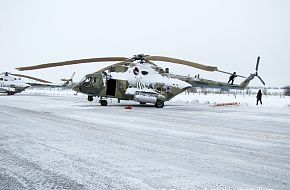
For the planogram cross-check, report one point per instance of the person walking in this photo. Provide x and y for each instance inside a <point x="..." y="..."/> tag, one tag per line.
<point x="259" y="97"/>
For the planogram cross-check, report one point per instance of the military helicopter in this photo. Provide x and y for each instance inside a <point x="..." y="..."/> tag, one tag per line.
<point x="11" y="83"/>
<point x="141" y="80"/>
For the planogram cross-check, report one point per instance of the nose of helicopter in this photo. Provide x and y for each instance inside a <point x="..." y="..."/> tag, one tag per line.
<point x="76" y="87"/>
<point x="24" y="86"/>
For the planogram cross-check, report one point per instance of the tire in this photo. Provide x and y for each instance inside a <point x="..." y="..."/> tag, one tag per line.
<point x="90" y="98"/>
<point x="104" y="103"/>
<point x="159" y="104"/>
<point x="10" y="93"/>
<point x="142" y="103"/>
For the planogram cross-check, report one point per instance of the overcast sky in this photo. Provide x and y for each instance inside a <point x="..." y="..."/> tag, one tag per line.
<point x="229" y="34"/>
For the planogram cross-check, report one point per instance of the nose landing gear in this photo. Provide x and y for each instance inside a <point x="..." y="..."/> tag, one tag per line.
<point x="159" y="104"/>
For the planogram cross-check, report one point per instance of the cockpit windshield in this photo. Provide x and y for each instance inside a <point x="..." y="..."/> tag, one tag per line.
<point x="83" y="79"/>
<point x="86" y="81"/>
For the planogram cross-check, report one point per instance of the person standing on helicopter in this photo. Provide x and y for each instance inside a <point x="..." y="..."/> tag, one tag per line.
<point x="232" y="78"/>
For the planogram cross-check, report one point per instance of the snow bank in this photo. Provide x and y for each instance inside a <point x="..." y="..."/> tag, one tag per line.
<point x="244" y="100"/>
<point x="192" y="98"/>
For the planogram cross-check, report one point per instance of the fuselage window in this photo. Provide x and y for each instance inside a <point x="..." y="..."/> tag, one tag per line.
<point x="136" y="71"/>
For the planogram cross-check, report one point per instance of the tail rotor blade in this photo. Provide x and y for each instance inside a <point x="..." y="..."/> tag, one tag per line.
<point x="257" y="65"/>
<point x="261" y="80"/>
<point x="73" y="75"/>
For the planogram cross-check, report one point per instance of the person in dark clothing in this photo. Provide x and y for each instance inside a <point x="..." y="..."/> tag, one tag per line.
<point x="259" y="97"/>
<point x="232" y="78"/>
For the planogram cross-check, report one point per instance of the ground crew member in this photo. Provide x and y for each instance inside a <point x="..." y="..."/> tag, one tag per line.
<point x="259" y="97"/>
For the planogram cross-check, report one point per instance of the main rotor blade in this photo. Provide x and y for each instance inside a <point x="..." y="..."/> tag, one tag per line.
<point x="120" y="63"/>
<point x="72" y="62"/>
<point x="123" y="63"/>
<point x="30" y="77"/>
<point x="182" y="62"/>
<point x="230" y="73"/>
<point x="150" y="62"/>
<point x="257" y="65"/>
<point x="261" y="80"/>
<point x="72" y="76"/>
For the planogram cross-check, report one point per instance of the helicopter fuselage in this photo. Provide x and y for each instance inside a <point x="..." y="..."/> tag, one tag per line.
<point x="140" y="82"/>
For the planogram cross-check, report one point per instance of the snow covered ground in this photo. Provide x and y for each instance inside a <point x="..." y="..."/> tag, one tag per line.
<point x="61" y="141"/>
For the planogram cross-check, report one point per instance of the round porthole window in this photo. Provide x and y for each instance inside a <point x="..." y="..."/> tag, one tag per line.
<point x="136" y="71"/>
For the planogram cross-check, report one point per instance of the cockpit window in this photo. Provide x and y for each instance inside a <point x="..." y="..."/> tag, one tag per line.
<point x="88" y="81"/>
<point x="83" y="79"/>
<point x="144" y="72"/>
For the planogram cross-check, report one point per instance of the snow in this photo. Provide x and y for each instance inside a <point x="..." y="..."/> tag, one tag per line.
<point x="244" y="100"/>
<point x="53" y="139"/>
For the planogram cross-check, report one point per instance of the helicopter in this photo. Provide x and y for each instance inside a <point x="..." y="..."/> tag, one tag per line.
<point x="138" y="78"/>
<point x="10" y="84"/>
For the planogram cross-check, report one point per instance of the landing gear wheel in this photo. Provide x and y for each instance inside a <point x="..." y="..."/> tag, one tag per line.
<point x="90" y="98"/>
<point x="159" y="104"/>
<point x="142" y="103"/>
<point x="104" y="103"/>
<point x="10" y="93"/>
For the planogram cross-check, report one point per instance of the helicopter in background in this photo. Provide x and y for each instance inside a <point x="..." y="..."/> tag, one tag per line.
<point x="11" y="83"/>
<point x="141" y="80"/>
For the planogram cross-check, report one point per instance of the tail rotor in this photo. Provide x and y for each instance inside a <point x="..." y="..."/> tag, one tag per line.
<point x="70" y="80"/>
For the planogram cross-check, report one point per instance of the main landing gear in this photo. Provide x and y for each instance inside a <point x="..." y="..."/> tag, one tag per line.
<point x="103" y="102"/>
<point x="159" y="103"/>
<point x="10" y="93"/>
<point x="90" y="98"/>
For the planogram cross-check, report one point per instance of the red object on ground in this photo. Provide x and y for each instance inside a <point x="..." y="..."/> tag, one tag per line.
<point x="128" y="107"/>
<point x="228" y="104"/>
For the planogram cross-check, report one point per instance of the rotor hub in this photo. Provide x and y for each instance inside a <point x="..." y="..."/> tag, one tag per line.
<point x="140" y="57"/>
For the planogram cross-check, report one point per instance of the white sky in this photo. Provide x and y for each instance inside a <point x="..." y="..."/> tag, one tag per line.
<point x="229" y="34"/>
